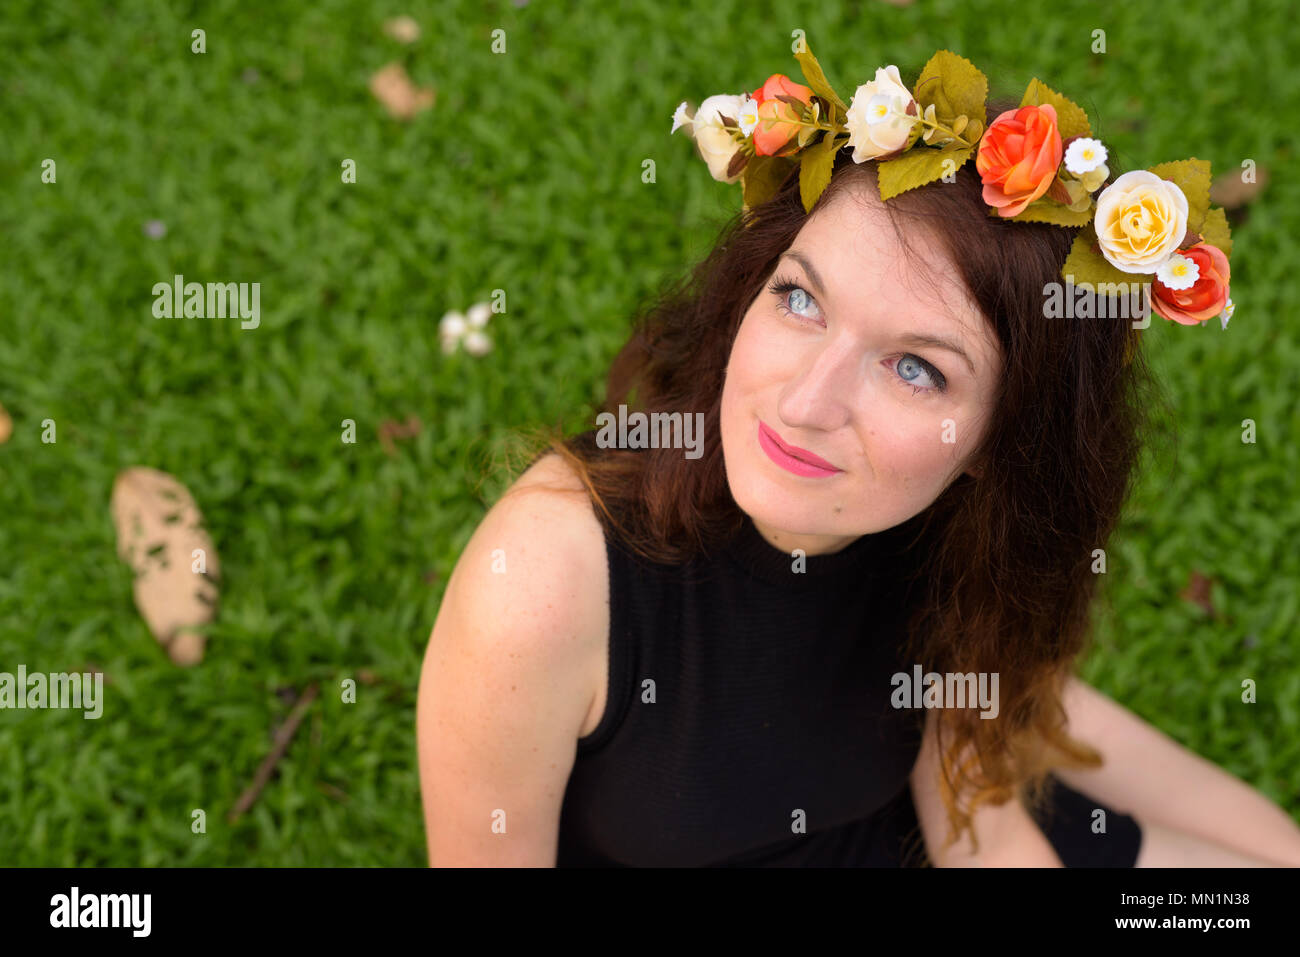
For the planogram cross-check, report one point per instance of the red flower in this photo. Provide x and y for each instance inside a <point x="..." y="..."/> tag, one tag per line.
<point x="778" y="121"/>
<point x="1018" y="157"/>
<point x="1207" y="296"/>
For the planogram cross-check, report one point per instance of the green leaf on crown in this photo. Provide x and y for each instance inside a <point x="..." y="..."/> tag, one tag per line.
<point x="954" y="86"/>
<point x="1215" y="230"/>
<point x="919" y="166"/>
<point x="1086" y="266"/>
<point x="1048" y="211"/>
<point x="763" y="177"/>
<point x="1070" y="118"/>
<point x="815" y="165"/>
<point x="1192" y="176"/>
<point x="816" y="79"/>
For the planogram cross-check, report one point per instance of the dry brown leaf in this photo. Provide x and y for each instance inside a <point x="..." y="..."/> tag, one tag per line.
<point x="1198" y="591"/>
<point x="389" y="430"/>
<point x="402" y="29"/>
<point x="1230" y="191"/>
<point x="158" y="529"/>
<point x="6" y="425"/>
<point x="402" y="98"/>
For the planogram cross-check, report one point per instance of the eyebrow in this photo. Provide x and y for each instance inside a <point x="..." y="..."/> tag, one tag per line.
<point x="911" y="338"/>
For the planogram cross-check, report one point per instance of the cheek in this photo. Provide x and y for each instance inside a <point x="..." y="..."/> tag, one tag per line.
<point x="919" y="452"/>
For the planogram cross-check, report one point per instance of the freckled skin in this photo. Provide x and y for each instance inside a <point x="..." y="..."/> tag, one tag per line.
<point x="832" y="383"/>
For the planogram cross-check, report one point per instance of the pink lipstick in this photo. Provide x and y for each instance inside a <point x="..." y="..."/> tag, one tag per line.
<point x="791" y="457"/>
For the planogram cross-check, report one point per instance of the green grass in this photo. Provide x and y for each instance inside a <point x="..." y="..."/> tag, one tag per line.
<point x="525" y="176"/>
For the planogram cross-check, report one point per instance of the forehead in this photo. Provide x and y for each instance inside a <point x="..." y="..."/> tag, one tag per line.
<point x="907" y="283"/>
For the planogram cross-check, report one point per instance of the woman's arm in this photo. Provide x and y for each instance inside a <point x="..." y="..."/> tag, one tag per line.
<point x="1159" y="782"/>
<point x="1008" y="836"/>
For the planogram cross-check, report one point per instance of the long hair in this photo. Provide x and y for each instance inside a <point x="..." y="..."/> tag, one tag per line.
<point x="1004" y="560"/>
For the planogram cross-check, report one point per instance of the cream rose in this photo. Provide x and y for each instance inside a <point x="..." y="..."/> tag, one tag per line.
<point x="1140" y="221"/>
<point x="716" y="144"/>
<point x="877" y="118"/>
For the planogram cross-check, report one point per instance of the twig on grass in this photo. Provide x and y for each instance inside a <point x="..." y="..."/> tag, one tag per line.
<point x="282" y="738"/>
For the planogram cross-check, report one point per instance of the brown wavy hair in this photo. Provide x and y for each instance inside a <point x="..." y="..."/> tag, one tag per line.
<point x="1003" y="560"/>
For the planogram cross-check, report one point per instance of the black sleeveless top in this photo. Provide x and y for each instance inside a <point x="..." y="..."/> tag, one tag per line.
<point x="748" y="717"/>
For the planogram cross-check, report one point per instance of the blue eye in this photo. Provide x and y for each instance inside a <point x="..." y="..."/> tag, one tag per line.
<point x="792" y="297"/>
<point x="909" y="366"/>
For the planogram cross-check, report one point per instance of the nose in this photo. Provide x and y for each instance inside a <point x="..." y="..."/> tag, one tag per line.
<point x="820" y="396"/>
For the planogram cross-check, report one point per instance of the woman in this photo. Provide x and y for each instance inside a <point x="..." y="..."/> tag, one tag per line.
<point x="646" y="657"/>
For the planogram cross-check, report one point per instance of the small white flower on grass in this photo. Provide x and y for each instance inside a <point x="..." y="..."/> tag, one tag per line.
<point x="1178" y="272"/>
<point x="477" y="343"/>
<point x="1084" y="155"/>
<point x="478" y="315"/>
<point x="458" y="329"/>
<point x="155" y="229"/>
<point x="450" y="330"/>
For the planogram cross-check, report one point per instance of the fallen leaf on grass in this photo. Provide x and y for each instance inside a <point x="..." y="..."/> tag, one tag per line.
<point x="1230" y="191"/>
<point x="336" y="793"/>
<point x="6" y="426"/>
<point x="1198" y="591"/>
<point x="92" y="669"/>
<point x="402" y="29"/>
<point x="402" y="98"/>
<point x="390" y="429"/>
<point x="159" y="528"/>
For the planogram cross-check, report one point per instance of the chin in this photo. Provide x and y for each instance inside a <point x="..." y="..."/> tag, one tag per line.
<point x="795" y="506"/>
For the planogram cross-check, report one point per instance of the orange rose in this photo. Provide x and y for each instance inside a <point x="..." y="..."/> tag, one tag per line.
<point x="1207" y="296"/>
<point x="777" y="120"/>
<point x="1018" y="157"/>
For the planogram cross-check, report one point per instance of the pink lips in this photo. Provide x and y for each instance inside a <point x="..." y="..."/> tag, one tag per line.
<point x="791" y="457"/>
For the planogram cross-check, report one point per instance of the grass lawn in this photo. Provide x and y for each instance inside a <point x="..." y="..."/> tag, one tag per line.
<point x="525" y="176"/>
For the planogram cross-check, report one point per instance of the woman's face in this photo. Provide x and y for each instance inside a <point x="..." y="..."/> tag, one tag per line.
<point x="837" y="367"/>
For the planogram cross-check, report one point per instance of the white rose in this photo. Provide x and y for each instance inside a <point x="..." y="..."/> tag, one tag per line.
<point x="716" y="144"/>
<point x="1140" y="221"/>
<point x="877" y="118"/>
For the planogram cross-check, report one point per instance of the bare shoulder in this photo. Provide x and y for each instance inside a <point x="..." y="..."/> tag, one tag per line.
<point x="512" y="672"/>
<point x="537" y="560"/>
<point x="549" y="506"/>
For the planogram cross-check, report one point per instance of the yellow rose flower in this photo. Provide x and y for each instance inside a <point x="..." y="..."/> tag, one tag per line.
<point x="1140" y="221"/>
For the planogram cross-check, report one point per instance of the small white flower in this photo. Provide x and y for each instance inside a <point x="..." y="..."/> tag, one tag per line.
<point x="882" y="107"/>
<point x="1228" y="310"/>
<point x="748" y="118"/>
<point x="871" y="133"/>
<point x="716" y="145"/>
<point x="1084" y="155"/>
<point x="478" y="315"/>
<point x="680" y="117"/>
<point x="715" y="107"/>
<point x="1178" y="272"/>
<point x="477" y="343"/>
<point x="452" y="325"/>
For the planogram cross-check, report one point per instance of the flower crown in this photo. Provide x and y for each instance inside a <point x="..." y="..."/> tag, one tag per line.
<point x="1039" y="163"/>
